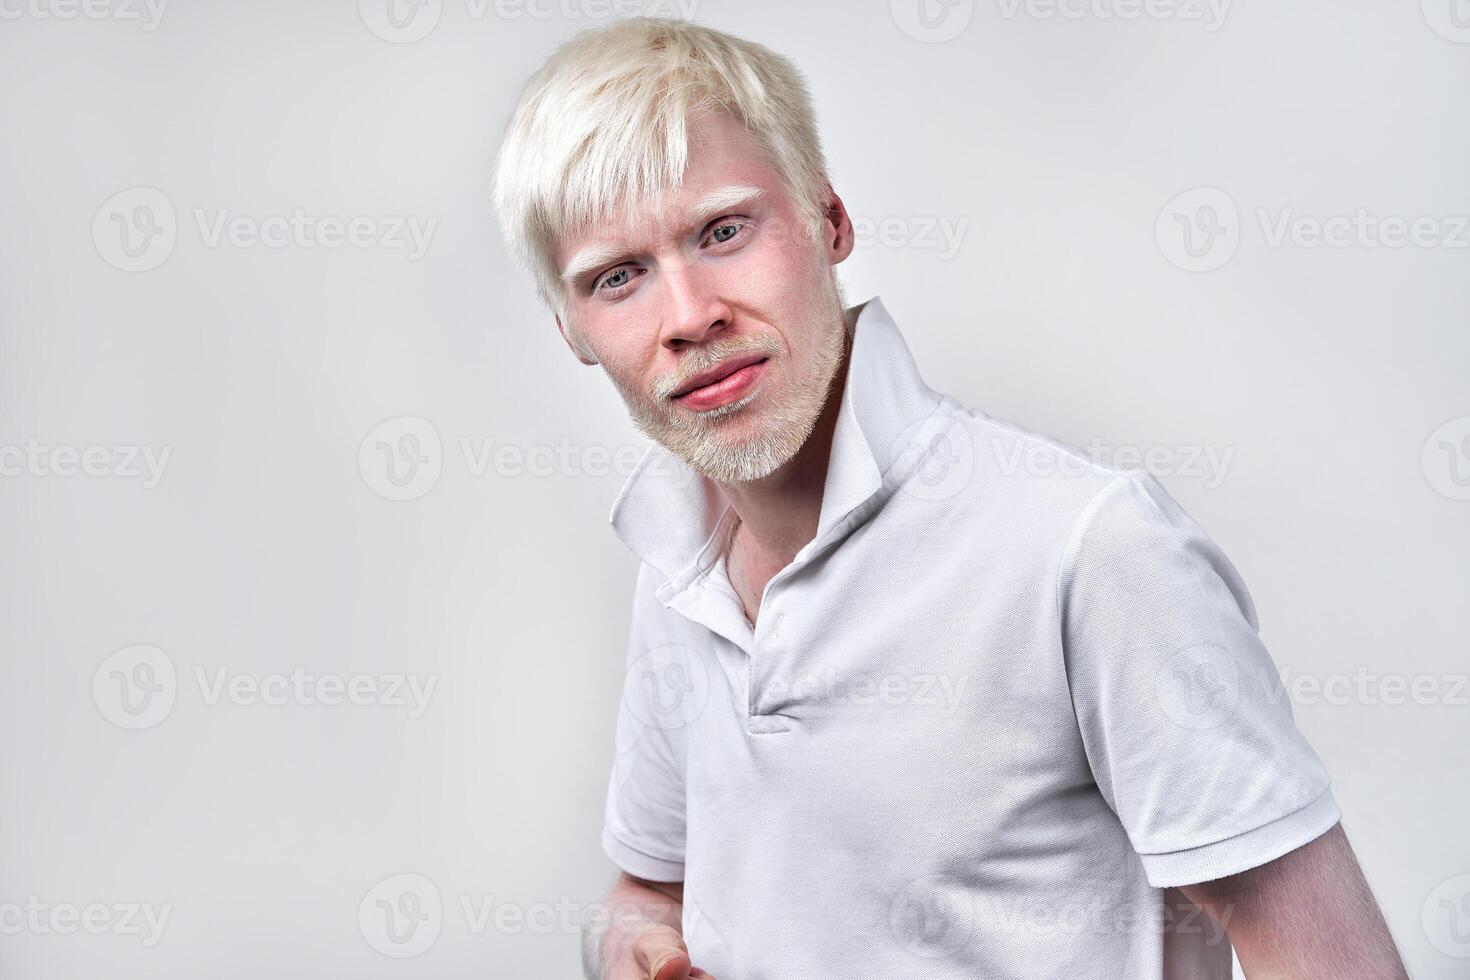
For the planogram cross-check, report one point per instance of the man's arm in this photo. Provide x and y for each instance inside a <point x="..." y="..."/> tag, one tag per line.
<point x="642" y="938"/>
<point x="1307" y="914"/>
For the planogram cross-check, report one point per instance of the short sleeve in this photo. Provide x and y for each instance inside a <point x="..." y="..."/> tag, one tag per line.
<point x="1183" y="716"/>
<point x="644" y="822"/>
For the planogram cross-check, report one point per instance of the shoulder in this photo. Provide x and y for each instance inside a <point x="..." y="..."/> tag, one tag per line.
<point x="1004" y="473"/>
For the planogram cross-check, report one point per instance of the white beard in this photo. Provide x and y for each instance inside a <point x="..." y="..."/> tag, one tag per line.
<point x="702" y="442"/>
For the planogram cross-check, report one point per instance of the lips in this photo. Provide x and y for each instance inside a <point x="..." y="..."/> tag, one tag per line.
<point x="717" y="373"/>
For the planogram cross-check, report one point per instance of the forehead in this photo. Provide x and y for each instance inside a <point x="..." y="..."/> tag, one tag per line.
<point x="726" y="169"/>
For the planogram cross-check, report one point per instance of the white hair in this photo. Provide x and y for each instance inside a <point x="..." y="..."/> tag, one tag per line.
<point x="603" y="124"/>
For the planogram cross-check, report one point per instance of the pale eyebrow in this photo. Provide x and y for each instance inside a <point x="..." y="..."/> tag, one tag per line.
<point x="712" y="205"/>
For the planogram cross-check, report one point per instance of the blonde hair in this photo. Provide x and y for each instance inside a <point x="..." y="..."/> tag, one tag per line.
<point x="603" y="124"/>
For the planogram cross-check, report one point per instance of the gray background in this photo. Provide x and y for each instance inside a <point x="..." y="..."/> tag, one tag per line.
<point x="1334" y="377"/>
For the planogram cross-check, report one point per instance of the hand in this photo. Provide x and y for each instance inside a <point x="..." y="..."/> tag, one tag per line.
<point x="649" y="951"/>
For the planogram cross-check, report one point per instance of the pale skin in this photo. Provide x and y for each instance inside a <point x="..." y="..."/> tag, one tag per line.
<point x="643" y="295"/>
<point x="1309" y="913"/>
<point x="685" y="290"/>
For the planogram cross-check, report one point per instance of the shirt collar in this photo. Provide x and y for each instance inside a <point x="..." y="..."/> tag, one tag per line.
<point x="671" y="515"/>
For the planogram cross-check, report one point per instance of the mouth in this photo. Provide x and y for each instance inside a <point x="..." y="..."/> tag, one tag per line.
<point x="705" y="379"/>
<point x="729" y="383"/>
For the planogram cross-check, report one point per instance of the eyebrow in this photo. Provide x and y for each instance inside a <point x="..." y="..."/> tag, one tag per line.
<point x="712" y="205"/>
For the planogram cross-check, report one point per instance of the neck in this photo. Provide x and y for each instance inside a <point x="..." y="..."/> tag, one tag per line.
<point x="779" y="512"/>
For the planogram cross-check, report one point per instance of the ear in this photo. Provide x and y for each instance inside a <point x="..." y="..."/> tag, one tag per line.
<point x="837" y="232"/>
<point x="583" y="355"/>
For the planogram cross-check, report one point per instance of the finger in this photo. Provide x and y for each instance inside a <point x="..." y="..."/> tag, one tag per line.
<point x="674" y="968"/>
<point x="695" y="973"/>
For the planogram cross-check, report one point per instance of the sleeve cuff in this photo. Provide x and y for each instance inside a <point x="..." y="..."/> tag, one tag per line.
<point x="639" y="864"/>
<point x="1243" y="851"/>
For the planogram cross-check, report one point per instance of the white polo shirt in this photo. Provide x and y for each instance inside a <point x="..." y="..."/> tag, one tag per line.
<point x="1000" y="703"/>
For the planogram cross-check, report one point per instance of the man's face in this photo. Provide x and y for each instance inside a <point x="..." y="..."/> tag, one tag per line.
<point x="722" y="275"/>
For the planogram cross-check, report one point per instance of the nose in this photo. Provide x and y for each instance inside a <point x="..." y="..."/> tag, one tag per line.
<point x="693" y="305"/>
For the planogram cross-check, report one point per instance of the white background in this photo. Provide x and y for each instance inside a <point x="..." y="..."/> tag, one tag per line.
<point x="1057" y="145"/>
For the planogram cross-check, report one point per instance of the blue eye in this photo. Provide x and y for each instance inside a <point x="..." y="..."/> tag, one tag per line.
<point x="735" y="227"/>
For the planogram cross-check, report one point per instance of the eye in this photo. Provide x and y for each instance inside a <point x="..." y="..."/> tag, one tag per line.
<point x="616" y="279"/>
<point x="727" y="230"/>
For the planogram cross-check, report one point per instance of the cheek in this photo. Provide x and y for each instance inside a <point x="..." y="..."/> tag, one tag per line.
<point x="780" y="282"/>
<point x="622" y="352"/>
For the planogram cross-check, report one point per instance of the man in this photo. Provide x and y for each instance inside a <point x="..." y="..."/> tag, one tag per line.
<point x="911" y="691"/>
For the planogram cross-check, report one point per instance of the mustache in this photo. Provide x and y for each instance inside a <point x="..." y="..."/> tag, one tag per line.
<point x="704" y="358"/>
